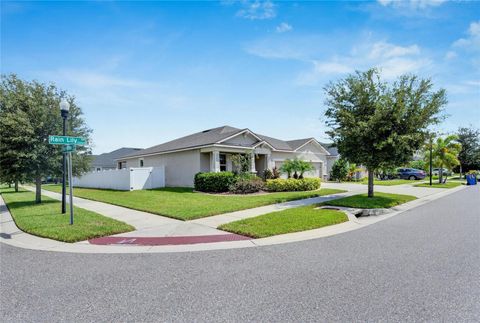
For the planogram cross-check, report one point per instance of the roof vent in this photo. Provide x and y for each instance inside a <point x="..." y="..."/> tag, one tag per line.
<point x="206" y="130"/>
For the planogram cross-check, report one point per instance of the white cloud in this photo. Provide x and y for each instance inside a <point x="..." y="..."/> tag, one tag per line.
<point x="450" y="54"/>
<point x="257" y="10"/>
<point x="473" y="39"/>
<point x="385" y="50"/>
<point x="331" y="67"/>
<point x="392" y="60"/>
<point x="283" y="27"/>
<point x="411" y="4"/>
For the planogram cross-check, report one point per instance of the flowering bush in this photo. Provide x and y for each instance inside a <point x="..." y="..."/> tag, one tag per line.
<point x="290" y="184"/>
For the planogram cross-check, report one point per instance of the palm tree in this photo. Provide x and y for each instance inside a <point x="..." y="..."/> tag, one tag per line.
<point x="445" y="153"/>
<point x="304" y="166"/>
<point x="287" y="167"/>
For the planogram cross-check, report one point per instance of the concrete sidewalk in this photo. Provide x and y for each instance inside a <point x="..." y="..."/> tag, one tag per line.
<point x="406" y="189"/>
<point x="146" y="224"/>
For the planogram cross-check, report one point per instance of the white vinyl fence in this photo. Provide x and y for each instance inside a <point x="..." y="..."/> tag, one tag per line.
<point x="126" y="179"/>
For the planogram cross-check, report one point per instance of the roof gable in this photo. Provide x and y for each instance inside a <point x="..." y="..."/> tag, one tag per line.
<point x="227" y="136"/>
<point x="202" y="138"/>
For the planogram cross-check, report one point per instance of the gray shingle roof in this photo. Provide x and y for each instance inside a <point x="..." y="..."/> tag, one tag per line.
<point x="202" y="138"/>
<point x="212" y="136"/>
<point x="332" y="150"/>
<point x="108" y="159"/>
<point x="298" y="143"/>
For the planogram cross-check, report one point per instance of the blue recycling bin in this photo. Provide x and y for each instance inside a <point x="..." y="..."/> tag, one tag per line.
<point x="471" y="179"/>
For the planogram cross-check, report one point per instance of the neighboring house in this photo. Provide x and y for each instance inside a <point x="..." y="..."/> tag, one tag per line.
<point x="108" y="160"/>
<point x="211" y="150"/>
<point x="334" y="155"/>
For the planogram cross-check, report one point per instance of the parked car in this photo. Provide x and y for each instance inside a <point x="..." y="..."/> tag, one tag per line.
<point x="446" y="172"/>
<point x="50" y="180"/>
<point x="410" y="173"/>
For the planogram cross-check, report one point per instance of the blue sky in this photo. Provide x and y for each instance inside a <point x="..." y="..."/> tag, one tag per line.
<point x="148" y="72"/>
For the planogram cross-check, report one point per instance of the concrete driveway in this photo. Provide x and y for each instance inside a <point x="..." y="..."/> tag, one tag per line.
<point x="421" y="265"/>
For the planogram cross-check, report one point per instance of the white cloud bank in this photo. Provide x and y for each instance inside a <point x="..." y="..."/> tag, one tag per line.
<point x="283" y="27"/>
<point x="473" y="39"/>
<point x="257" y="10"/>
<point x="411" y="4"/>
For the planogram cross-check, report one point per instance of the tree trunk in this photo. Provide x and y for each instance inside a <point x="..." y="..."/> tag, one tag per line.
<point x="38" y="189"/>
<point x="440" y="174"/>
<point x="9" y="185"/>
<point x="16" y="185"/>
<point x="370" y="182"/>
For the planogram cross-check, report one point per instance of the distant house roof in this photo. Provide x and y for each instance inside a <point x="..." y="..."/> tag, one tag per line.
<point x="216" y="136"/>
<point x="330" y="148"/>
<point x="109" y="159"/>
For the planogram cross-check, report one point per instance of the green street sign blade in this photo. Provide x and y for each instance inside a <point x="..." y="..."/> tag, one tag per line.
<point x="69" y="148"/>
<point x="65" y="140"/>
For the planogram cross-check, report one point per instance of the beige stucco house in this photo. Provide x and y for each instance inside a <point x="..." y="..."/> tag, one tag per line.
<point x="211" y="150"/>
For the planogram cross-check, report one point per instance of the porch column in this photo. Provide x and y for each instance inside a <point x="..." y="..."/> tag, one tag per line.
<point x="252" y="163"/>
<point x="215" y="161"/>
<point x="270" y="162"/>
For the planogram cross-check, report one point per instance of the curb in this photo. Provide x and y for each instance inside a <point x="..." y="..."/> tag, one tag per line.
<point x="11" y="235"/>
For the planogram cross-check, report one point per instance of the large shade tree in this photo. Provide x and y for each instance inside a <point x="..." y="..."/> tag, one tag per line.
<point x="379" y="124"/>
<point x="29" y="113"/>
<point x="469" y="156"/>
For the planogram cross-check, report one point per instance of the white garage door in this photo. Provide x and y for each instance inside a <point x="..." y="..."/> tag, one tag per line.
<point x="317" y="172"/>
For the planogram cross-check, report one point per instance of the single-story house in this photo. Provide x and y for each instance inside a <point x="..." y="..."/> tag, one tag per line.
<point x="211" y="150"/>
<point x="107" y="161"/>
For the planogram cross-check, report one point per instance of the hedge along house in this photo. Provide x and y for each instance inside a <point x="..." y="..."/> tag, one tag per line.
<point x="211" y="150"/>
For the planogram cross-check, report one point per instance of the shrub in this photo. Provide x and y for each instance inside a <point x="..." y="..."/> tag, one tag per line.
<point x="275" y="173"/>
<point x="214" y="182"/>
<point x="339" y="170"/>
<point x="267" y="174"/>
<point x="290" y="184"/>
<point x="245" y="185"/>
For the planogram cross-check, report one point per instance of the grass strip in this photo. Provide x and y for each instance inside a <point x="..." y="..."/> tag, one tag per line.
<point x="46" y="220"/>
<point x="379" y="201"/>
<point x="287" y="221"/>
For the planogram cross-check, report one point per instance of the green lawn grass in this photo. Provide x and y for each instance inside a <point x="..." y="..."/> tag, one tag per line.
<point x="448" y="184"/>
<point x="389" y="182"/>
<point x="380" y="200"/>
<point x="45" y="219"/>
<point x="184" y="204"/>
<point x="287" y="221"/>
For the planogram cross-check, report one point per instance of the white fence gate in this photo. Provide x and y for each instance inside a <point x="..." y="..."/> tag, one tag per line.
<point x="138" y="178"/>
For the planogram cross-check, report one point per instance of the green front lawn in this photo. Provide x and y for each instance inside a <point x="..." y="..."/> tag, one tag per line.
<point x="184" y="204"/>
<point x="45" y="219"/>
<point x="287" y="221"/>
<point x="380" y="200"/>
<point x="448" y="184"/>
<point x="389" y="182"/>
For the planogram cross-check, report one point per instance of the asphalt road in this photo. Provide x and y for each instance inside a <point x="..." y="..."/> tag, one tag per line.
<point x="422" y="265"/>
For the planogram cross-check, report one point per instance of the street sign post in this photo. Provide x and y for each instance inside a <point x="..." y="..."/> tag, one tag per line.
<point x="70" y="185"/>
<point x="69" y="146"/>
<point x="66" y="140"/>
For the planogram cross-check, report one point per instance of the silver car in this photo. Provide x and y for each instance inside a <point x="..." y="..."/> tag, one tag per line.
<point x="436" y="172"/>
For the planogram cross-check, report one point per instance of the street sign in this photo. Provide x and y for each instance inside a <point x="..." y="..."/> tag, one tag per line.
<point x="69" y="148"/>
<point x="65" y="140"/>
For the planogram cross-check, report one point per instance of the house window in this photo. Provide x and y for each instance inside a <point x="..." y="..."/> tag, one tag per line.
<point x="223" y="162"/>
<point x="98" y="169"/>
<point x="140" y="162"/>
<point x="120" y="165"/>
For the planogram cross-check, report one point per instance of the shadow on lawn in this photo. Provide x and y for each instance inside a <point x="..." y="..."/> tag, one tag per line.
<point x="20" y="204"/>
